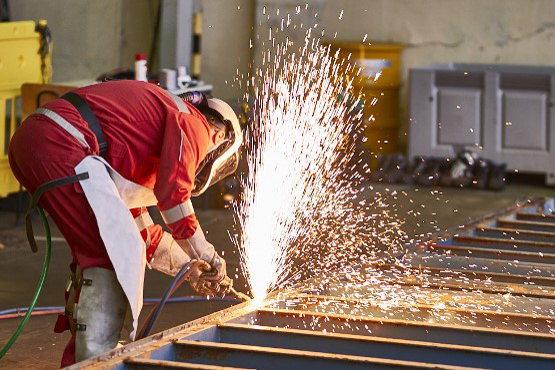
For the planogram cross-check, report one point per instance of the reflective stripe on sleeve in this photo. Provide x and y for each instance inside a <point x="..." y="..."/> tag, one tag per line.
<point x="143" y="221"/>
<point x="179" y="102"/>
<point x="61" y="121"/>
<point x="178" y="212"/>
<point x="180" y="147"/>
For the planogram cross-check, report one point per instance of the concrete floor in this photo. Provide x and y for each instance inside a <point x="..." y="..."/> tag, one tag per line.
<point x="38" y="346"/>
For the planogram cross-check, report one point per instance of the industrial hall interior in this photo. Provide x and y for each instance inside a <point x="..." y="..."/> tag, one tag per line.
<point x="277" y="184"/>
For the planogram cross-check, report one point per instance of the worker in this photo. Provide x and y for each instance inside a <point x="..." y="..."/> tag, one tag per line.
<point x="116" y="147"/>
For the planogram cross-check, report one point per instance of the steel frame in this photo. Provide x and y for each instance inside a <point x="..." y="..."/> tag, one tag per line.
<point x="474" y="307"/>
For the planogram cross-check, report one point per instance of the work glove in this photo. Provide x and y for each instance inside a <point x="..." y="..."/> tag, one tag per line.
<point x="197" y="247"/>
<point x="220" y="289"/>
<point x="218" y="270"/>
<point x="196" y="278"/>
<point x="169" y="257"/>
<point x="203" y="277"/>
<point x="193" y="276"/>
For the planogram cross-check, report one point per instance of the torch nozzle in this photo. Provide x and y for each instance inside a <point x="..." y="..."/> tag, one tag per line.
<point x="241" y="296"/>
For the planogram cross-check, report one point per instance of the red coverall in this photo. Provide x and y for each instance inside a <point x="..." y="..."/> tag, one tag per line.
<point x="150" y="143"/>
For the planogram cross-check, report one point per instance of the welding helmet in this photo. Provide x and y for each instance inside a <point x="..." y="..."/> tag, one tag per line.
<point x="222" y="160"/>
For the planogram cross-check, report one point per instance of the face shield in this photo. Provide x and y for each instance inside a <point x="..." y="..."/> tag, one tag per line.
<point x="223" y="160"/>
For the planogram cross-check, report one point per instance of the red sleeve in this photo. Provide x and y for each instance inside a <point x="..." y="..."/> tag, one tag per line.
<point x="184" y="145"/>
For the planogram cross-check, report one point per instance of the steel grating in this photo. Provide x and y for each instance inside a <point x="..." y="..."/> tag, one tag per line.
<point x="479" y="296"/>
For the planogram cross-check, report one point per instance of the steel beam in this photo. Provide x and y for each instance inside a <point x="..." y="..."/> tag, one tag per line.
<point x="495" y="252"/>
<point x="426" y="296"/>
<point x="145" y="363"/>
<point x="367" y="346"/>
<point x="537" y="282"/>
<point x="456" y="280"/>
<point x="513" y="233"/>
<point x="405" y="329"/>
<point x="457" y="283"/>
<point x="464" y="311"/>
<point x="533" y="216"/>
<point x="447" y="262"/>
<point x="505" y="244"/>
<point x="280" y="358"/>
<point x="526" y="225"/>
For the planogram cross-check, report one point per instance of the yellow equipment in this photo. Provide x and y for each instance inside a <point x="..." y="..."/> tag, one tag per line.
<point x="24" y="57"/>
<point x="380" y="81"/>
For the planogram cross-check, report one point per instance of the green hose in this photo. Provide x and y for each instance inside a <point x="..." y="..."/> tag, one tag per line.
<point x="39" y="287"/>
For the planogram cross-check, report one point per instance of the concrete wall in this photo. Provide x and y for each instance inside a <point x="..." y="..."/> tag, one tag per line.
<point x="91" y="37"/>
<point x="434" y="31"/>
<point x="226" y="53"/>
<point x="137" y="30"/>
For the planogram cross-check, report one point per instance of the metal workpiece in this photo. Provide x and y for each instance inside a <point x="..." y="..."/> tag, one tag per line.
<point x="510" y="233"/>
<point x="443" y="309"/>
<point x="429" y="333"/>
<point x="526" y="225"/>
<point x="478" y="296"/>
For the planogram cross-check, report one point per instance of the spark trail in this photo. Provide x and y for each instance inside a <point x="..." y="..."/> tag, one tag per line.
<point x="300" y="213"/>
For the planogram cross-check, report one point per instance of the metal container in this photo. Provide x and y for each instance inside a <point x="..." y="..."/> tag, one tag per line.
<point x="503" y="112"/>
<point x="379" y="81"/>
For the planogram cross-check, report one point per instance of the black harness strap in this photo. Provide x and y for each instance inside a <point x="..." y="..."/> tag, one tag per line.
<point x="36" y="197"/>
<point x="86" y="112"/>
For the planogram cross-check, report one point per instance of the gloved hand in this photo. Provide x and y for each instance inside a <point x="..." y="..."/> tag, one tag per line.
<point x="221" y="288"/>
<point x="216" y="279"/>
<point x="196" y="278"/>
<point x="168" y="257"/>
<point x="206" y="278"/>
<point x="218" y="270"/>
<point x="197" y="247"/>
<point x="193" y="276"/>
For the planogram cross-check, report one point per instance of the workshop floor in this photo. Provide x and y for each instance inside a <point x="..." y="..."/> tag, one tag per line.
<point x="39" y="346"/>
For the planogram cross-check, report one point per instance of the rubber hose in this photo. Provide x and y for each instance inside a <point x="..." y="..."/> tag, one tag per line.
<point x="37" y="311"/>
<point x="153" y="316"/>
<point x="47" y="254"/>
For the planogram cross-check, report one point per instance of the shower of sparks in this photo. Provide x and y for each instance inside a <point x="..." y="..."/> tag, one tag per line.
<point x="300" y="213"/>
<point x="309" y="225"/>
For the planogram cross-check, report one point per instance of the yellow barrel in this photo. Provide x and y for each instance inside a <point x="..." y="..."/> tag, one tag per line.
<point x="380" y="81"/>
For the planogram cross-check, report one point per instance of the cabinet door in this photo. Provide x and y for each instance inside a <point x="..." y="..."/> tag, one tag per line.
<point x="459" y="116"/>
<point x="524" y="120"/>
<point x="519" y="128"/>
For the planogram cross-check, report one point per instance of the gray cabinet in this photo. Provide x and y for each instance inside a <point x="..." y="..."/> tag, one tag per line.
<point x="504" y="113"/>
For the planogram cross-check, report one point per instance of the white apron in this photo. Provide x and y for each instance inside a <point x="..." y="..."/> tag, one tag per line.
<point x="111" y="196"/>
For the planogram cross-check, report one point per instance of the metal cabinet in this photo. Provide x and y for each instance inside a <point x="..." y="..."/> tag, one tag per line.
<point x="504" y="112"/>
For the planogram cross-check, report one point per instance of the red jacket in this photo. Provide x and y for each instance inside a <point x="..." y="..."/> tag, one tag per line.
<point x="149" y="141"/>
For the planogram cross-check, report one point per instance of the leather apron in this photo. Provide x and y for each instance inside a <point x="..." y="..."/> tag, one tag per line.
<point x="111" y="196"/>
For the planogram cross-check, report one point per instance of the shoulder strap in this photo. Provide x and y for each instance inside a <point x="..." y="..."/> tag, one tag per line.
<point x="86" y="112"/>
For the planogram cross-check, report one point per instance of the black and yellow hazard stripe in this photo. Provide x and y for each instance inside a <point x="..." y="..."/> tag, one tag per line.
<point x="197" y="32"/>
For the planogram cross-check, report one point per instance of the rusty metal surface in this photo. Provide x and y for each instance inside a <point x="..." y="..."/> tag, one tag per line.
<point x="477" y="296"/>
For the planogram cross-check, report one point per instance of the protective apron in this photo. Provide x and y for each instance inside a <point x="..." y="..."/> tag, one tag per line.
<point x="111" y="196"/>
